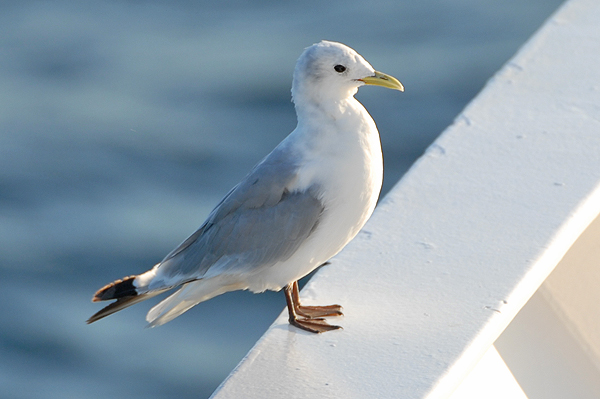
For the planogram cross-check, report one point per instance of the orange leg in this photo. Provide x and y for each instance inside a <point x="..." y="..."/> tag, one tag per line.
<point x="313" y="311"/>
<point x="310" y="316"/>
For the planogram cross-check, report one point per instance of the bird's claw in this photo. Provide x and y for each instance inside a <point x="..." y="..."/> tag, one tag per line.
<point x="313" y="325"/>
<point x="311" y="312"/>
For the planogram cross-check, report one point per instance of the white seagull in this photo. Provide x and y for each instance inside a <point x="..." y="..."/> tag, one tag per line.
<point x="296" y="209"/>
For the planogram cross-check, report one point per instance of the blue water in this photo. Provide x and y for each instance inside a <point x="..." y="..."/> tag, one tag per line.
<point x="122" y="123"/>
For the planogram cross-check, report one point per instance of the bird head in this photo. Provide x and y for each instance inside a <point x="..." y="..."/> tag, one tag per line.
<point x="334" y="71"/>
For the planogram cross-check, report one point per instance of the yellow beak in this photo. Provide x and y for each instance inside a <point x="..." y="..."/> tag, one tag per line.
<point x="383" y="80"/>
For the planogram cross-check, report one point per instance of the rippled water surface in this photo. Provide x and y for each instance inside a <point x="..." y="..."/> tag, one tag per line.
<point x="122" y="123"/>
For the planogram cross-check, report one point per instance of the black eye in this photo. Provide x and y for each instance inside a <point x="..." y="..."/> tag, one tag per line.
<point x="339" y="68"/>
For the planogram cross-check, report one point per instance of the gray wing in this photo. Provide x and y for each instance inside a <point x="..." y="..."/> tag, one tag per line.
<point x="258" y="223"/>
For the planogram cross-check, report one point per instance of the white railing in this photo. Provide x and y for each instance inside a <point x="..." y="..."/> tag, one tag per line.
<point x="479" y="274"/>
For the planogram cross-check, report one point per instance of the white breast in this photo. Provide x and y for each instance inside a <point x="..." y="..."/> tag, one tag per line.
<point x="344" y="159"/>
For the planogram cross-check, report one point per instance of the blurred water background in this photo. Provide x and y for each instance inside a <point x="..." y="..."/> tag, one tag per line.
<point x="122" y="123"/>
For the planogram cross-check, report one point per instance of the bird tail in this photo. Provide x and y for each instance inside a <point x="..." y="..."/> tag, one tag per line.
<point x="188" y="296"/>
<point x="125" y="294"/>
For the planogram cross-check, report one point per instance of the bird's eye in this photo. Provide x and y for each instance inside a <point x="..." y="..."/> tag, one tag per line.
<point x="339" y="68"/>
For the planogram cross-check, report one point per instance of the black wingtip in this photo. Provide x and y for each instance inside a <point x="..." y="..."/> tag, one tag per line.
<point x="114" y="307"/>
<point x="117" y="289"/>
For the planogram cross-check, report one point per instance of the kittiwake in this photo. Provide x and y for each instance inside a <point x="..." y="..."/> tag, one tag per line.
<point x="296" y="209"/>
